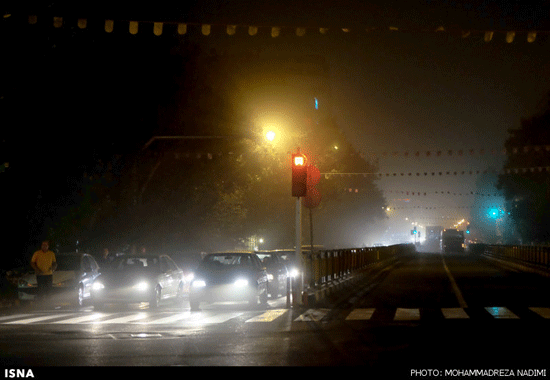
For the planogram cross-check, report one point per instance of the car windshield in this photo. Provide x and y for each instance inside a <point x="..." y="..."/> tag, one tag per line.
<point x="137" y="263"/>
<point x="225" y="261"/>
<point x="267" y="258"/>
<point x="67" y="262"/>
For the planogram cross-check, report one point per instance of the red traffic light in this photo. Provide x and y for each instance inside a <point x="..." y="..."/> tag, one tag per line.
<point x="298" y="160"/>
<point x="299" y="175"/>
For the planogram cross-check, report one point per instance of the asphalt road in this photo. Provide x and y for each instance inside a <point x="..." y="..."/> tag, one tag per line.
<point x="427" y="312"/>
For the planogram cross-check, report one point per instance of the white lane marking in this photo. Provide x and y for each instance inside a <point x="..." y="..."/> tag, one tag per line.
<point x="501" y="313"/>
<point x="82" y="319"/>
<point x="268" y="316"/>
<point x="37" y="319"/>
<point x="402" y="314"/>
<point x="542" y="311"/>
<point x="456" y="290"/>
<point x="200" y="318"/>
<point x="312" y="315"/>
<point x="172" y="318"/>
<point x="15" y="316"/>
<point x="454" y="313"/>
<point x="125" y="319"/>
<point x="360" y="314"/>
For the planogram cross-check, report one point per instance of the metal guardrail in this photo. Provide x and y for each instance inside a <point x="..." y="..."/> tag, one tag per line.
<point x="325" y="266"/>
<point x="526" y="254"/>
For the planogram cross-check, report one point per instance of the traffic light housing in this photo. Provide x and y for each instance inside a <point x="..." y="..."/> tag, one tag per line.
<point x="299" y="175"/>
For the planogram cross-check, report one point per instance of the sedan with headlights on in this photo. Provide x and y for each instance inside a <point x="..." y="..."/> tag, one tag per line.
<point x="229" y="276"/>
<point x="139" y="278"/>
<point x="71" y="281"/>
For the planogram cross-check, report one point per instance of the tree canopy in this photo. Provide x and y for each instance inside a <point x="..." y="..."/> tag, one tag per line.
<point x="526" y="188"/>
<point x="104" y="185"/>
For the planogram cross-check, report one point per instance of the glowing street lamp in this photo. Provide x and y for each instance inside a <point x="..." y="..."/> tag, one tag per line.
<point x="270" y="135"/>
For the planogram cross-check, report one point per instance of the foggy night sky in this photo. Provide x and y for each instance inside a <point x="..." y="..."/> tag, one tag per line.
<point x="401" y="91"/>
<point x="412" y="90"/>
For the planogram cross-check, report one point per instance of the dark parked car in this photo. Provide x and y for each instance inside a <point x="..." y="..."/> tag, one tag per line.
<point x="277" y="272"/>
<point x="288" y="257"/>
<point x="72" y="280"/>
<point x="229" y="276"/>
<point x="139" y="278"/>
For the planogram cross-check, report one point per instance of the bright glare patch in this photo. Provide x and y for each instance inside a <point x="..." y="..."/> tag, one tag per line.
<point x="199" y="284"/>
<point x="141" y="286"/>
<point x="241" y="282"/>
<point x="270" y="135"/>
<point x="145" y="335"/>
<point x="98" y="286"/>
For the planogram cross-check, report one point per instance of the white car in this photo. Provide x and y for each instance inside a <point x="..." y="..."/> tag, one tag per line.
<point x="139" y="278"/>
<point x="72" y="279"/>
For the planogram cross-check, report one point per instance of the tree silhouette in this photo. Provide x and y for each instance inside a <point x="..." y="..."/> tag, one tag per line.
<point x="527" y="185"/>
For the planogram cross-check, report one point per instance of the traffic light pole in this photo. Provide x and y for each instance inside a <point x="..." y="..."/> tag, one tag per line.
<point x="298" y="285"/>
<point x="299" y="190"/>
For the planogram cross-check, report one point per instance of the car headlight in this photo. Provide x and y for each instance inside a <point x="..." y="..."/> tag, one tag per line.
<point x="293" y="272"/>
<point x="141" y="286"/>
<point x="241" y="282"/>
<point x="98" y="286"/>
<point x="197" y="284"/>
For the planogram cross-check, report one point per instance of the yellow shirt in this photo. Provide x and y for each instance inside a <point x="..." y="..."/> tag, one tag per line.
<point x="43" y="261"/>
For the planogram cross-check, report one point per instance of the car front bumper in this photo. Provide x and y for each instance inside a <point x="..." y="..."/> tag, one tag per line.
<point x="121" y="296"/>
<point x="223" y="293"/>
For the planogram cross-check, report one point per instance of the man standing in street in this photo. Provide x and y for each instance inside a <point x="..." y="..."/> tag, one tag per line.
<point x="43" y="262"/>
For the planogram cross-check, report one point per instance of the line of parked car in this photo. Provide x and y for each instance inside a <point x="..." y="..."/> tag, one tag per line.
<point x="221" y="276"/>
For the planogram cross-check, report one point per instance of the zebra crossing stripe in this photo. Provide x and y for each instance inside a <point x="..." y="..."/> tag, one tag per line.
<point x="360" y="314"/>
<point x="200" y="318"/>
<point x="37" y="319"/>
<point x="454" y="313"/>
<point x="14" y="316"/>
<point x="402" y="314"/>
<point x="312" y="315"/>
<point x="125" y="319"/>
<point x="501" y="313"/>
<point x="542" y="311"/>
<point x="172" y="318"/>
<point x="82" y="319"/>
<point x="268" y="316"/>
